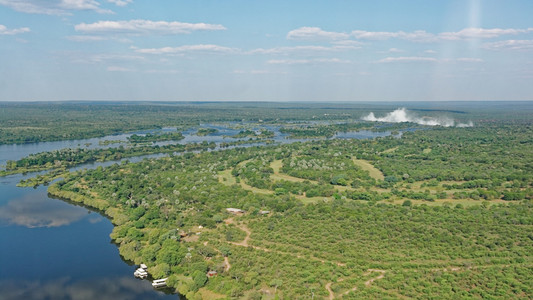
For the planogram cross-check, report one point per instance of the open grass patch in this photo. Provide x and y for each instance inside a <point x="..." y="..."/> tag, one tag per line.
<point x="373" y="171"/>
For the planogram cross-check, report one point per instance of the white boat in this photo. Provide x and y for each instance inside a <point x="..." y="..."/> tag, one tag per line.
<point x="158" y="283"/>
<point x="140" y="273"/>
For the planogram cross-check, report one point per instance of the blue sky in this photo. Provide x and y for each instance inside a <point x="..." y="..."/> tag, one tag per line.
<point x="197" y="50"/>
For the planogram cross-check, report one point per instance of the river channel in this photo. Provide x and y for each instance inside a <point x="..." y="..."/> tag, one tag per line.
<point x="51" y="249"/>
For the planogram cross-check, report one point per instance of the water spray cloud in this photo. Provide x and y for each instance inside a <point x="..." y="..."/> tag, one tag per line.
<point x="401" y="115"/>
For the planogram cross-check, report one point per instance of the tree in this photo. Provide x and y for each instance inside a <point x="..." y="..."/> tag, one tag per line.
<point x="276" y="283"/>
<point x="407" y="203"/>
<point x="199" y="278"/>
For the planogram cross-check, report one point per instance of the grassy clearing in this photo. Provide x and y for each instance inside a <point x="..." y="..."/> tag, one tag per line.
<point x="209" y="295"/>
<point x="374" y="173"/>
<point x="276" y="166"/>
<point x="452" y="202"/>
<point x="255" y="190"/>
<point x="390" y="150"/>
<point x="226" y="178"/>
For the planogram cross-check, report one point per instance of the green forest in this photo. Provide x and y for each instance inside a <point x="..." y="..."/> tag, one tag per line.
<point x="31" y="122"/>
<point x="437" y="212"/>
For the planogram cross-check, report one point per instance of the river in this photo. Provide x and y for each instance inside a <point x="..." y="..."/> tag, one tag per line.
<point x="51" y="249"/>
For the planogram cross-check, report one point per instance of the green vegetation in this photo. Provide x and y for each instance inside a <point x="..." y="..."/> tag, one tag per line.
<point x="66" y="158"/>
<point x="306" y="131"/>
<point x="206" y="131"/>
<point x="152" y="138"/>
<point x="38" y="122"/>
<point x="436" y="213"/>
<point x="170" y="213"/>
<point x="257" y="134"/>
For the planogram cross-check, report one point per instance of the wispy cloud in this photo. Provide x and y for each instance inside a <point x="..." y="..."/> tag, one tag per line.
<point x="418" y="35"/>
<point x="119" y="69"/>
<point x="120" y="2"/>
<point x="257" y="72"/>
<point x="53" y="7"/>
<point x="392" y="50"/>
<point x="407" y="59"/>
<point x="414" y="59"/>
<point x="153" y="71"/>
<point x="510" y="45"/>
<point x="144" y="27"/>
<point x="316" y="33"/>
<point x="469" y="59"/>
<point x="96" y="38"/>
<point x="5" y="31"/>
<point x="306" y="61"/>
<point x="481" y="33"/>
<point x="302" y="49"/>
<point x="188" y="49"/>
<point x="110" y="58"/>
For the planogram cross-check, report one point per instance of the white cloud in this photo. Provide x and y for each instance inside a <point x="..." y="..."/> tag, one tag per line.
<point x="480" y="33"/>
<point x="257" y="72"/>
<point x="469" y="59"/>
<point x="417" y="36"/>
<point x="510" y="45"/>
<point x="410" y="59"/>
<point x="5" y="31"/>
<point x="120" y="2"/>
<point x="188" y="49"/>
<point x="306" y="61"/>
<point x="119" y="69"/>
<point x="80" y="57"/>
<point x="407" y="59"/>
<point x="153" y="71"/>
<point x="144" y="27"/>
<point x="315" y="33"/>
<point x="96" y="38"/>
<point x="392" y="50"/>
<point x="347" y="43"/>
<point x="300" y="49"/>
<point x="53" y="7"/>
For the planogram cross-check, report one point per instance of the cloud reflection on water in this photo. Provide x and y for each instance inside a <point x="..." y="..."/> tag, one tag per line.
<point x="33" y="211"/>
<point x="120" y="288"/>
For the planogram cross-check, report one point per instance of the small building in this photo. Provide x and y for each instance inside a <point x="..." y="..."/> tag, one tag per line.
<point x="212" y="273"/>
<point x="264" y="212"/>
<point x="235" y="211"/>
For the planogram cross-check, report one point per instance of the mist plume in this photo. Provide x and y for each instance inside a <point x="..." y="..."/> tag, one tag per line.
<point x="401" y="115"/>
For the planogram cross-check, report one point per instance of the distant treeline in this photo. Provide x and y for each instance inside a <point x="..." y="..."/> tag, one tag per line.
<point x="53" y="121"/>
